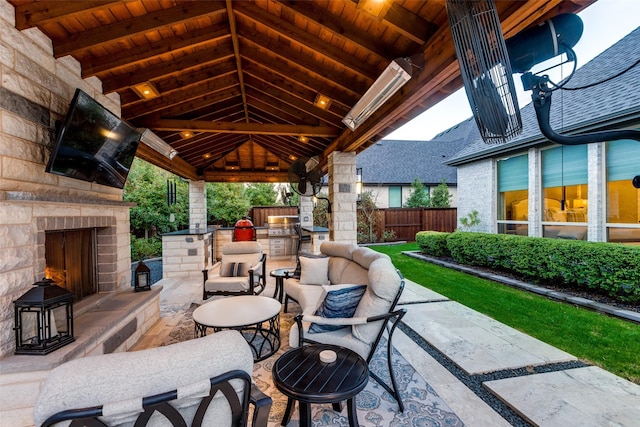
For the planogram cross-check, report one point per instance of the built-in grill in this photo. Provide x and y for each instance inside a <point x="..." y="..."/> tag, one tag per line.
<point x="282" y="234"/>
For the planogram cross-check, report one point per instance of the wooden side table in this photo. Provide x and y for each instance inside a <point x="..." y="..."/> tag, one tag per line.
<point x="300" y="375"/>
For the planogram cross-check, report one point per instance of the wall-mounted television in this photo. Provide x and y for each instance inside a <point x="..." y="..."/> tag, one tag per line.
<point x="93" y="144"/>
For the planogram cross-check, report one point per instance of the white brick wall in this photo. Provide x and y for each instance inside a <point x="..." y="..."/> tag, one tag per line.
<point x="477" y="191"/>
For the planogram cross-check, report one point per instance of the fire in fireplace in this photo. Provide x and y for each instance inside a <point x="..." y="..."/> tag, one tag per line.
<point x="70" y="257"/>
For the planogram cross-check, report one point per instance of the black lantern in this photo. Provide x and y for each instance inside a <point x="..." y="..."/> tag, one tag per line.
<point x="142" y="281"/>
<point x="43" y="319"/>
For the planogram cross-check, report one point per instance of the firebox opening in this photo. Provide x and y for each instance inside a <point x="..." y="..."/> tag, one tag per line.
<point x="71" y="261"/>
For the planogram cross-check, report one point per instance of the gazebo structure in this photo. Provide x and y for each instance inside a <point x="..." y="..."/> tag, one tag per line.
<point x="233" y="91"/>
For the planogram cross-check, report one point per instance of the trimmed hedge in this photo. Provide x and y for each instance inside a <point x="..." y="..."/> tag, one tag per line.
<point x="610" y="267"/>
<point x="433" y="243"/>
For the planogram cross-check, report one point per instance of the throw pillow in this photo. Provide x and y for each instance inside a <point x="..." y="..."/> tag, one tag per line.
<point x="234" y="269"/>
<point x="296" y="272"/>
<point x="314" y="271"/>
<point x="341" y="303"/>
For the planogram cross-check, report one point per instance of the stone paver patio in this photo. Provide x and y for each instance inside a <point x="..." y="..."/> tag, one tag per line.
<point x="488" y="373"/>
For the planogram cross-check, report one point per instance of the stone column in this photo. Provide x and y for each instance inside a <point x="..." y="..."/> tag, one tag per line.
<point x="305" y="205"/>
<point x="342" y="195"/>
<point x="197" y="206"/>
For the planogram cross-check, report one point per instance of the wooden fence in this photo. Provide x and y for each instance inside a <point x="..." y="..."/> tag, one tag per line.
<point x="259" y="214"/>
<point x="406" y="222"/>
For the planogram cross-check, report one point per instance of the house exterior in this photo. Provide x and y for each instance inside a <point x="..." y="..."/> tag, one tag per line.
<point x="530" y="186"/>
<point x="389" y="167"/>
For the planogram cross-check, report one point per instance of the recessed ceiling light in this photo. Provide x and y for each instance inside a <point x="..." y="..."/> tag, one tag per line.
<point x="322" y="101"/>
<point x="146" y="90"/>
<point x="186" y="134"/>
<point x="303" y="139"/>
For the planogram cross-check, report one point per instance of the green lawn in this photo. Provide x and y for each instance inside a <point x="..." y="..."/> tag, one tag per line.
<point x="610" y="343"/>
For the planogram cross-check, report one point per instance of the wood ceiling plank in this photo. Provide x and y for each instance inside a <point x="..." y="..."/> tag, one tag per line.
<point x="281" y="109"/>
<point x="183" y="81"/>
<point x="317" y="77"/>
<point x="176" y="67"/>
<point x="341" y="28"/>
<point x="248" y="176"/>
<point x="39" y="13"/>
<point x="177" y="97"/>
<point x="236" y="52"/>
<point x="194" y="105"/>
<point x="136" y="25"/>
<point x="139" y="54"/>
<point x="300" y="37"/>
<point x="263" y="85"/>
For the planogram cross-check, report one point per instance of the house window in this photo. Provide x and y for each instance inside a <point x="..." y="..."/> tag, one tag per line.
<point x="623" y="199"/>
<point x="395" y="196"/>
<point x="513" y="195"/>
<point x="564" y="189"/>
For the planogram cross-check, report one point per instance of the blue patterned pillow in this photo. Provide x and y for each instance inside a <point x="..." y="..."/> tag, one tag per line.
<point x="341" y="303"/>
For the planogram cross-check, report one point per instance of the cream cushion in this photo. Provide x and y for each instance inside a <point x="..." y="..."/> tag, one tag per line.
<point x="314" y="271"/>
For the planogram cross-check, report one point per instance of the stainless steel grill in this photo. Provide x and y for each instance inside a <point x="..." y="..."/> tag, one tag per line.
<point x="282" y="234"/>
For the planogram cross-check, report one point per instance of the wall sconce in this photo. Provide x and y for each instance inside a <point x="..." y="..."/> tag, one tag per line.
<point x="397" y="73"/>
<point x="157" y="144"/>
<point x="358" y="184"/>
<point x="146" y="90"/>
<point x="142" y="280"/>
<point x="43" y="319"/>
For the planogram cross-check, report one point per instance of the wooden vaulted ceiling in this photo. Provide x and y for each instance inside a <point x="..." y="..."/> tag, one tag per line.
<point x="243" y="76"/>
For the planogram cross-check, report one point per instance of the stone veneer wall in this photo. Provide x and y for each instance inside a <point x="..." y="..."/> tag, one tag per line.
<point x="35" y="91"/>
<point x="342" y="193"/>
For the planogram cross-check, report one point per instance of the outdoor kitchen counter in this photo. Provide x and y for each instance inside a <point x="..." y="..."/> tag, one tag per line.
<point x="318" y="235"/>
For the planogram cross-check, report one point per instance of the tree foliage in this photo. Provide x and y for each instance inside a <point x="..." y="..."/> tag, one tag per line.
<point x="419" y="197"/>
<point x="367" y="218"/>
<point x="226" y="203"/>
<point x="440" y="197"/>
<point x="146" y="186"/>
<point x="320" y="211"/>
<point x="261" y="194"/>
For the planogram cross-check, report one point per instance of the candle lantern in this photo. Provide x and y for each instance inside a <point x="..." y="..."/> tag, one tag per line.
<point x="43" y="319"/>
<point x="142" y="281"/>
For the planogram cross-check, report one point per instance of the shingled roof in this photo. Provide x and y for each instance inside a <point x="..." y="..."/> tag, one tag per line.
<point x="614" y="104"/>
<point x="400" y="162"/>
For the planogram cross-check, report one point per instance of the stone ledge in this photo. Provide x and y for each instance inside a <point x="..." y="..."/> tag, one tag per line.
<point x="95" y="326"/>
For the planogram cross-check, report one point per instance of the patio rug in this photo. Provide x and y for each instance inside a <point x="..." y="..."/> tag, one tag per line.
<point x="376" y="408"/>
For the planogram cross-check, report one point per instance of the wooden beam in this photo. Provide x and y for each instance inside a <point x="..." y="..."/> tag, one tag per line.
<point x="246" y="176"/>
<point x="304" y="39"/>
<point x="38" y="13"/>
<point x="342" y="29"/>
<point x="136" y="25"/>
<point x="248" y="128"/>
<point x="408" y="24"/>
<point x="175" y="67"/>
<point x="194" y="104"/>
<point x="177" y="165"/>
<point x="177" y="97"/>
<point x="339" y="89"/>
<point x="139" y="54"/>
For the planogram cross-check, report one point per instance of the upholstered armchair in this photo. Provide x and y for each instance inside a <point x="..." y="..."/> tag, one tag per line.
<point x="242" y="271"/>
<point x="363" y="331"/>
<point x="200" y="382"/>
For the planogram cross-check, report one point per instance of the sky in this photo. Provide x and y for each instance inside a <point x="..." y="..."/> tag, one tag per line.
<point x="605" y="23"/>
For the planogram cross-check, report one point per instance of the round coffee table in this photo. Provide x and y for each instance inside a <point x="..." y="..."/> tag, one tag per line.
<point x="280" y="274"/>
<point x="300" y="375"/>
<point x="256" y="317"/>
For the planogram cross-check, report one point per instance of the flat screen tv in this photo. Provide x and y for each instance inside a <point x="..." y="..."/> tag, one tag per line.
<point x="93" y="144"/>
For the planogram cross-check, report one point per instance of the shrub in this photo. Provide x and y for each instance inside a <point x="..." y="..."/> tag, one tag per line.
<point x="433" y="243"/>
<point x="608" y="267"/>
<point x="145" y="248"/>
